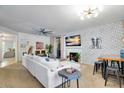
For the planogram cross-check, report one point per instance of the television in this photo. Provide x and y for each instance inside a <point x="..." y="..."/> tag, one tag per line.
<point x="74" y="40"/>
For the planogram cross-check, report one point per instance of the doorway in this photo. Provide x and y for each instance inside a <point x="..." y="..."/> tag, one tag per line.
<point x="8" y="49"/>
<point x="58" y="42"/>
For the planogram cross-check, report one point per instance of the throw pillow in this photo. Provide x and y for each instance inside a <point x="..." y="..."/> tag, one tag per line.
<point x="47" y="59"/>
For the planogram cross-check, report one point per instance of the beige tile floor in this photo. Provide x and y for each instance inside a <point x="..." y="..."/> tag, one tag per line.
<point x="88" y="80"/>
<point x="16" y="76"/>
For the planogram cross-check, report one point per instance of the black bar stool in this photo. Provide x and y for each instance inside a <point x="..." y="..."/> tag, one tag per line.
<point x="97" y="66"/>
<point x="115" y="70"/>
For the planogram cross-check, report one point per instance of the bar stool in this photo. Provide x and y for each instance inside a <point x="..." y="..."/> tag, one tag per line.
<point x="97" y="66"/>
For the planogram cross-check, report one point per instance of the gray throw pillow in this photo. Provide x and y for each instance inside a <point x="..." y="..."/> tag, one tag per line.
<point x="47" y="59"/>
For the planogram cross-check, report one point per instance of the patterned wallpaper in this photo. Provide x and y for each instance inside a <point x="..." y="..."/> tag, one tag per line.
<point x="111" y="36"/>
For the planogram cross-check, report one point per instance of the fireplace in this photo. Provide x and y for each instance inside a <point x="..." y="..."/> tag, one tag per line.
<point x="72" y="52"/>
<point x="73" y="56"/>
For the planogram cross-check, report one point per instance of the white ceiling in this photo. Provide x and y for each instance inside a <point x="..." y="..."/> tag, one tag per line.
<point x="59" y="18"/>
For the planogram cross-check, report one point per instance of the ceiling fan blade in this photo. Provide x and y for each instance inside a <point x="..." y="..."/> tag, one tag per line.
<point x="36" y="31"/>
<point x="49" y="31"/>
<point x="42" y="29"/>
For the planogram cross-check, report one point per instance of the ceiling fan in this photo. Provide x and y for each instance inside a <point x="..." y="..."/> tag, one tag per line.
<point x="43" y="31"/>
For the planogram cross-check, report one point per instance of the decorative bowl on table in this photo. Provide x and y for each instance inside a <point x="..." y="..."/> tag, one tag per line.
<point x="70" y="70"/>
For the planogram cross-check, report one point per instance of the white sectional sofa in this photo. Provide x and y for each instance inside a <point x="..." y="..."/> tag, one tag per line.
<point x="46" y="70"/>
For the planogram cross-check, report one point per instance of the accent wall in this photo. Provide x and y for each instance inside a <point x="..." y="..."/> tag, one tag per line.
<point x="110" y="36"/>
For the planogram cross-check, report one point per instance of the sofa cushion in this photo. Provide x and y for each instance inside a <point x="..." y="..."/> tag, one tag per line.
<point x="39" y="59"/>
<point x="51" y="64"/>
<point x="29" y="56"/>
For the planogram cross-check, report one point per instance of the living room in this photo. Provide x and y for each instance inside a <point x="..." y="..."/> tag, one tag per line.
<point x="64" y="38"/>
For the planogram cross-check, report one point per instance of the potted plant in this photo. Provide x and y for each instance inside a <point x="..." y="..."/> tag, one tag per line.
<point x="49" y="49"/>
<point x="78" y="56"/>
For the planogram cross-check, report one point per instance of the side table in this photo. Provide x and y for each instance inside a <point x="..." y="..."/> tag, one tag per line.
<point x="69" y="76"/>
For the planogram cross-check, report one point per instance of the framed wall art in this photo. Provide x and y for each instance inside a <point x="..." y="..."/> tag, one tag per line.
<point x="39" y="45"/>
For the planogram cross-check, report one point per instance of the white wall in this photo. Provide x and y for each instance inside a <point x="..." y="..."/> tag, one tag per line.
<point x="111" y="35"/>
<point x="32" y="42"/>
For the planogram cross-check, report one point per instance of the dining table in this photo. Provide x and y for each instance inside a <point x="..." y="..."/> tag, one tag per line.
<point x="106" y="58"/>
